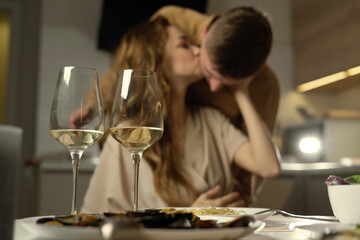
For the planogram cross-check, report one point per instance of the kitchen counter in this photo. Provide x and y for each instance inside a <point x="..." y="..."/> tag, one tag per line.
<point x="341" y="167"/>
<point x="300" y="188"/>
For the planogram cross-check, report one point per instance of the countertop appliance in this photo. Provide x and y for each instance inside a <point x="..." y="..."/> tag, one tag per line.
<point x="322" y="140"/>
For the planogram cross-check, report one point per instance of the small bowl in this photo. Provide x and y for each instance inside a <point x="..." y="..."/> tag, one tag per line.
<point x="344" y="201"/>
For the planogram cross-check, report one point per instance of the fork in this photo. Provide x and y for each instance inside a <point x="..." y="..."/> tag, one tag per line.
<point x="286" y="214"/>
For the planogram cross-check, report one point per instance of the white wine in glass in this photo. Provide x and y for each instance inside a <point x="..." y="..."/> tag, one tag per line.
<point x="76" y="119"/>
<point x="136" y="119"/>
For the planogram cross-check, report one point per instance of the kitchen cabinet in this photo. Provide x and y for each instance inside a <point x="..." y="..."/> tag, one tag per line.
<point x="56" y="183"/>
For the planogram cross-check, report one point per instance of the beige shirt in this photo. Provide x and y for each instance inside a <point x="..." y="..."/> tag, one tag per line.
<point x="211" y="142"/>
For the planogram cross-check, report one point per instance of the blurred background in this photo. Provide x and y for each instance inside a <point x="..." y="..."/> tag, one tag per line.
<point x="318" y="123"/>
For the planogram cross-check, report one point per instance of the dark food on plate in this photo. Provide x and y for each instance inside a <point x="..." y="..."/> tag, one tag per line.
<point x="150" y="218"/>
<point x="172" y="218"/>
<point x="88" y="220"/>
<point x="153" y="218"/>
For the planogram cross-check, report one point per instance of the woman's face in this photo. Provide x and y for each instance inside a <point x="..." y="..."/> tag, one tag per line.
<point x="182" y="64"/>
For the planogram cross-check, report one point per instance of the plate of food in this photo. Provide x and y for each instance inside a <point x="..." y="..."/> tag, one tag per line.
<point x="176" y="223"/>
<point x="49" y="228"/>
<point x="227" y="213"/>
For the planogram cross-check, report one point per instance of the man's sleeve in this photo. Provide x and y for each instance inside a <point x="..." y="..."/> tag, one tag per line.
<point x="187" y="20"/>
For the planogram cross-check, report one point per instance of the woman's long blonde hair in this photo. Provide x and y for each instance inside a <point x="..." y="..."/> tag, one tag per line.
<point x="143" y="47"/>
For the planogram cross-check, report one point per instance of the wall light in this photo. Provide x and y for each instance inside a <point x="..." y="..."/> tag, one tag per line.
<point x="328" y="79"/>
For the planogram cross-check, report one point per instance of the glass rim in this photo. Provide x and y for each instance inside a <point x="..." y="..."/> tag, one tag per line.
<point x="149" y="72"/>
<point x="79" y="67"/>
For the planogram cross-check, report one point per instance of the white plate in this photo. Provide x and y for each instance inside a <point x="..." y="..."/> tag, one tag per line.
<point x="190" y="234"/>
<point x="316" y="231"/>
<point x="90" y="233"/>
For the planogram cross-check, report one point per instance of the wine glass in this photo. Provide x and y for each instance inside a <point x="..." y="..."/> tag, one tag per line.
<point x="136" y="119"/>
<point x="76" y="118"/>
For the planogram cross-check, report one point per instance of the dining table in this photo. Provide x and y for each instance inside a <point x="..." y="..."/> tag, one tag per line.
<point x="273" y="226"/>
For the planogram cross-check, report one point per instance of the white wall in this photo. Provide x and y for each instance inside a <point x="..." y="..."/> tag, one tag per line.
<point x="68" y="37"/>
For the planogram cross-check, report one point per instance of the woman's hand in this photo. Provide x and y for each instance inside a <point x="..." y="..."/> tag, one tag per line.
<point x="209" y="198"/>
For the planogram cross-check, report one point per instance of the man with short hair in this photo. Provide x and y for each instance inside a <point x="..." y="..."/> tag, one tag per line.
<point x="233" y="51"/>
<point x="234" y="48"/>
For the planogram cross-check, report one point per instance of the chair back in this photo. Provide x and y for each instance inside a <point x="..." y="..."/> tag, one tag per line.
<point x="10" y="163"/>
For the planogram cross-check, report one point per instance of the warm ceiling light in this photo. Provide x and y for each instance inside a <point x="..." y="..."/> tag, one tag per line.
<point x="328" y="79"/>
<point x="353" y="71"/>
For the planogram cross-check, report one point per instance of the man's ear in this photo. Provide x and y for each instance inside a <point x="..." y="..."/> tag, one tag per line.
<point x="204" y="32"/>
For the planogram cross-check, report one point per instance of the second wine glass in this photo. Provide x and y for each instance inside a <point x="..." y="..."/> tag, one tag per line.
<point x="136" y="119"/>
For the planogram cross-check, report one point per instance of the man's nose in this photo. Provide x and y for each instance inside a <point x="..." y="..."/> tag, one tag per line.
<point x="195" y="50"/>
<point x="215" y="85"/>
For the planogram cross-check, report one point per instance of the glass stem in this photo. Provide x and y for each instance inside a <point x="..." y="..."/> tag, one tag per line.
<point x="75" y="163"/>
<point x="136" y="164"/>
